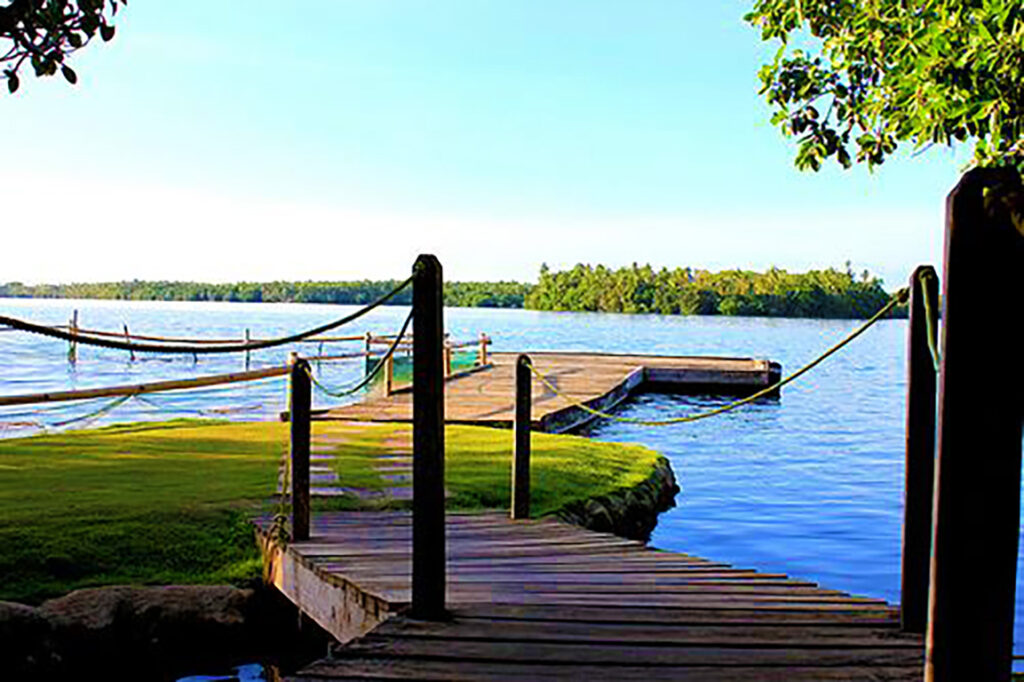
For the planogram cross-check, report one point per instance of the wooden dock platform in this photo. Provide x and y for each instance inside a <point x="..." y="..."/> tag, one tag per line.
<point x="548" y="600"/>
<point x="601" y="380"/>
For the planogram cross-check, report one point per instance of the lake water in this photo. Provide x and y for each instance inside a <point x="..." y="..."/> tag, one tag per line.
<point x="810" y="485"/>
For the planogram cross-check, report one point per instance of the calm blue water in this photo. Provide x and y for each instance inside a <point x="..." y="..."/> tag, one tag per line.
<point x="810" y="485"/>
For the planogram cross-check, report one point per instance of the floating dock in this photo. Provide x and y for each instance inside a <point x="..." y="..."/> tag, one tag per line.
<point x="486" y="395"/>
<point x="542" y="599"/>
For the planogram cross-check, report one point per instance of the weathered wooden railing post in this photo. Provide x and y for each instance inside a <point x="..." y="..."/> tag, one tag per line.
<point x="428" y="533"/>
<point x="920" y="451"/>
<point x="73" y="345"/>
<point x="521" y="450"/>
<point x="389" y="374"/>
<point x="300" y="404"/>
<point x="482" y="355"/>
<point x="128" y="339"/>
<point x="978" y="469"/>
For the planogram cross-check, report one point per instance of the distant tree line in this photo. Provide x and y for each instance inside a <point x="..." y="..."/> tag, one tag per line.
<point x="473" y="294"/>
<point x="686" y="291"/>
<point x="827" y="293"/>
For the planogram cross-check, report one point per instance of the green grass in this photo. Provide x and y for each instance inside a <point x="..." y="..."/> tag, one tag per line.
<point x="168" y="503"/>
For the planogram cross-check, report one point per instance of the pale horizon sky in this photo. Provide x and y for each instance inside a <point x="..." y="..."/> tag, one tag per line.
<point x="338" y="139"/>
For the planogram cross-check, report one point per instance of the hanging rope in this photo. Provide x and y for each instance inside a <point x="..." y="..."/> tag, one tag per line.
<point x="342" y="393"/>
<point x="931" y="318"/>
<point x="197" y="349"/>
<point x="898" y="298"/>
<point x="116" y="402"/>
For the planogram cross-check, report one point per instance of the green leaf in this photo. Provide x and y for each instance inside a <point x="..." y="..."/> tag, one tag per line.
<point x="69" y="74"/>
<point x="107" y="32"/>
<point x="12" y="83"/>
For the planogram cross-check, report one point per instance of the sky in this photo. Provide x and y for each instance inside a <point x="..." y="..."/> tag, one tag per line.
<point x="338" y="139"/>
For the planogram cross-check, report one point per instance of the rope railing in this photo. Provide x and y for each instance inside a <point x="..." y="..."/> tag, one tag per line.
<point x="138" y="389"/>
<point x="207" y="341"/>
<point x="342" y="393"/>
<point x="898" y="298"/>
<point x="194" y="348"/>
<point x="931" y="318"/>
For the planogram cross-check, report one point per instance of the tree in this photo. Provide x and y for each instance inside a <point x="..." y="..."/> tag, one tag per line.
<point x="45" y="32"/>
<point x="852" y="79"/>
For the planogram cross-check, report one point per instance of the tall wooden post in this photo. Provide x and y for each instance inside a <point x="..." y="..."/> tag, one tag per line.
<point x="920" y="451"/>
<point x="521" y="450"/>
<point x="978" y="470"/>
<point x="389" y="374"/>
<point x="299" y="414"/>
<point x="482" y="355"/>
<point x="128" y="339"/>
<point x="428" y="531"/>
<point x="248" y="339"/>
<point x="73" y="345"/>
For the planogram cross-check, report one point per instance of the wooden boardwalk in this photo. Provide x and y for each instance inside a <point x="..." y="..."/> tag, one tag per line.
<point x="546" y="600"/>
<point x="487" y="396"/>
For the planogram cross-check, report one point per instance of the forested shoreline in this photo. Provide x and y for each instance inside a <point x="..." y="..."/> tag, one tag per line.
<point x="826" y="293"/>
<point x="464" y="294"/>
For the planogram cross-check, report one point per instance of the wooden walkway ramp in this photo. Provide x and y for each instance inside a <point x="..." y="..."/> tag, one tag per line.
<point x="487" y="395"/>
<point x="548" y="600"/>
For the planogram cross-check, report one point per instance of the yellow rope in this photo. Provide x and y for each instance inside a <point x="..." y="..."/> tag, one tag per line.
<point x="931" y="319"/>
<point x="898" y="298"/>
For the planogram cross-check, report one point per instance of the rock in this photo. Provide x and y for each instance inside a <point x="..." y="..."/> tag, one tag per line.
<point x="27" y="642"/>
<point x="629" y="512"/>
<point x="149" y="626"/>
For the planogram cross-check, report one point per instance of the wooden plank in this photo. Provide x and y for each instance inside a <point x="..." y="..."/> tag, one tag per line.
<point x="799" y="636"/>
<point x="674" y="616"/>
<point x="374" y="668"/>
<point x="612" y="653"/>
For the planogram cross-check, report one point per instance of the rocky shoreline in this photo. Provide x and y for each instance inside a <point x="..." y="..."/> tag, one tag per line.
<point x="628" y="512"/>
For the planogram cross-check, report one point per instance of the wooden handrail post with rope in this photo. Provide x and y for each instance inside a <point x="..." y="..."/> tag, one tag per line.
<point x="73" y="345"/>
<point x="429" y="587"/>
<point x="482" y="355"/>
<point x="919" y="472"/>
<point x="299" y="409"/>
<point x="521" y="447"/>
<point x="978" y="469"/>
<point x="389" y="374"/>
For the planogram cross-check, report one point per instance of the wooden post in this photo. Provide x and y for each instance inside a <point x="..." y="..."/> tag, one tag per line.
<point x="369" y="343"/>
<point x="428" y="531"/>
<point x="521" y="451"/>
<point x="389" y="374"/>
<point x="73" y="345"/>
<point x="447" y="359"/>
<point x="299" y="414"/>
<point x="482" y="355"/>
<point x="920" y="452"/>
<point x="248" y="339"/>
<point x="978" y="470"/>
<point x="128" y="339"/>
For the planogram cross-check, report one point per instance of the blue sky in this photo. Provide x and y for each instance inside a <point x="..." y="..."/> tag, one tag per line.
<point x="336" y="139"/>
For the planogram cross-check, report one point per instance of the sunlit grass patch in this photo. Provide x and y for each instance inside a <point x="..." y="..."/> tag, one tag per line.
<point x="170" y="503"/>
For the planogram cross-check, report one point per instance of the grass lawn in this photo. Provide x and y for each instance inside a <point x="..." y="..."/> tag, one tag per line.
<point x="168" y="503"/>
